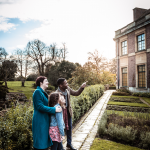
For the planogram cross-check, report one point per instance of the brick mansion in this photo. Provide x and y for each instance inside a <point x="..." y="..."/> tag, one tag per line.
<point x="133" y="53"/>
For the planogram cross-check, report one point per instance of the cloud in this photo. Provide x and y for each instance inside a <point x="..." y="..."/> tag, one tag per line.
<point x="7" y="1"/>
<point x="5" y="25"/>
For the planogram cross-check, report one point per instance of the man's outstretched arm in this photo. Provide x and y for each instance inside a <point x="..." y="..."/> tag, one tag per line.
<point x="79" y="91"/>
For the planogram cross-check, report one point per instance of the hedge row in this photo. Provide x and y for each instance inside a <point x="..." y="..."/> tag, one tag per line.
<point x="125" y="99"/>
<point x="121" y="93"/>
<point x="140" y="94"/>
<point x="128" y="108"/>
<point x="85" y="101"/>
<point x="16" y="126"/>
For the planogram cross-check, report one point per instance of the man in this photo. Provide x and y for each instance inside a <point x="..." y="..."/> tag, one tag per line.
<point x="67" y="113"/>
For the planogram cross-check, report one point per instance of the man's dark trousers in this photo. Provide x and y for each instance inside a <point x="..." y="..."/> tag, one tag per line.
<point x="69" y="132"/>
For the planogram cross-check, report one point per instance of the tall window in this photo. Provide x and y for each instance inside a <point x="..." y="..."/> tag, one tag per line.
<point x="124" y="47"/>
<point x="124" y="76"/>
<point x="141" y="76"/>
<point x="141" y="42"/>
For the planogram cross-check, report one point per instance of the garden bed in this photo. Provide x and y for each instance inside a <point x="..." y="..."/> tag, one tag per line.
<point x="130" y="128"/>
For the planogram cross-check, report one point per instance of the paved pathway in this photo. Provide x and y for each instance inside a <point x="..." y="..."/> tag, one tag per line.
<point x="85" y="131"/>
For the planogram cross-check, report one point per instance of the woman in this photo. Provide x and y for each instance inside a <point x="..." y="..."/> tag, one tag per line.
<point x="41" y="119"/>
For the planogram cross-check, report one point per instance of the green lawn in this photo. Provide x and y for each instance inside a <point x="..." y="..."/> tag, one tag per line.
<point x="127" y="104"/>
<point x="15" y="86"/>
<point x="100" y="144"/>
<point x="146" y="99"/>
<point x="124" y="96"/>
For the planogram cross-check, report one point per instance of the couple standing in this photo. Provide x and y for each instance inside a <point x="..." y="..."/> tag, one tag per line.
<point x="42" y="113"/>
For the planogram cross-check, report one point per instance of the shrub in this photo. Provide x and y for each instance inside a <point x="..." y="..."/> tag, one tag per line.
<point x="145" y="139"/>
<point x="16" y="125"/>
<point x="128" y="108"/>
<point x="50" y="87"/>
<point x="121" y="93"/>
<point x="131" y="128"/>
<point x="84" y="101"/>
<point x="141" y="94"/>
<point x="3" y="91"/>
<point x="112" y="87"/>
<point x="15" y="128"/>
<point x="123" y="90"/>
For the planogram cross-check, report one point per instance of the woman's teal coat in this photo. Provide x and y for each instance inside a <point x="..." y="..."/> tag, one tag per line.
<point x="41" y="119"/>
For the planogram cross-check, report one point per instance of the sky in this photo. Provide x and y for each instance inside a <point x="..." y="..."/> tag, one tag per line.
<point x="84" y="25"/>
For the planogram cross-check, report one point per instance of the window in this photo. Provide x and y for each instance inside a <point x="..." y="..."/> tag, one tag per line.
<point x="141" y="42"/>
<point x="124" y="76"/>
<point x="141" y="76"/>
<point x="124" y="47"/>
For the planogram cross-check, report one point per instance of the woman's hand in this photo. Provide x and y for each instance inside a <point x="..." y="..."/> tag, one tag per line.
<point x="62" y="138"/>
<point x="58" y="109"/>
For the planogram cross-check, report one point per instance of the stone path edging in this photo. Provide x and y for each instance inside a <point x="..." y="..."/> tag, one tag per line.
<point x="144" y="101"/>
<point x="85" y="131"/>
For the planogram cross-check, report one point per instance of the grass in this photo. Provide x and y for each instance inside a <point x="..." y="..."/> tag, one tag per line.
<point x="127" y="104"/>
<point x="15" y="86"/>
<point x="146" y="99"/>
<point x="124" y="96"/>
<point x="100" y="144"/>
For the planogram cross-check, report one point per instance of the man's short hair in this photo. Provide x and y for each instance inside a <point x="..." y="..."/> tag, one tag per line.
<point x="40" y="79"/>
<point x="60" y="81"/>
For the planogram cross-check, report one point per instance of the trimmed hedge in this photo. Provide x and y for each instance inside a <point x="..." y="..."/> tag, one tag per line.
<point x="112" y="87"/>
<point x="125" y="99"/>
<point x="140" y="94"/>
<point x="121" y="93"/>
<point x="128" y="108"/>
<point x="16" y="125"/>
<point x="82" y="103"/>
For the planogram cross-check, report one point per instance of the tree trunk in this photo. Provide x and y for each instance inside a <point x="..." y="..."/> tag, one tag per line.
<point x="23" y="83"/>
<point x="6" y="83"/>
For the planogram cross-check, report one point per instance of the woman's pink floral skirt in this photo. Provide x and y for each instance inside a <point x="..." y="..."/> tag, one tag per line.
<point x="55" y="134"/>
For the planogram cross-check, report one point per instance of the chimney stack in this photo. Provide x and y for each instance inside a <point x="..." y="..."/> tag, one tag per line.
<point x="137" y="12"/>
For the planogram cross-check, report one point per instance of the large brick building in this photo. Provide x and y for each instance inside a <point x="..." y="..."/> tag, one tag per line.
<point x="133" y="53"/>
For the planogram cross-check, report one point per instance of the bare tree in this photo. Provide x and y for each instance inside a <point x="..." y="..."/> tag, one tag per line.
<point x="100" y="62"/>
<point x="64" y="51"/>
<point x="23" y="64"/>
<point x="113" y="66"/>
<point x="43" y="55"/>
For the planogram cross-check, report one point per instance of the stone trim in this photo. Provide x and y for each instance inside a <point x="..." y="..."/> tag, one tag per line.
<point x="148" y="50"/>
<point x="131" y="54"/>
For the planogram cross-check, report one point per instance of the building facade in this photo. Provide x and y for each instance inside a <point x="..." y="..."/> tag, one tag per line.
<point x="133" y="53"/>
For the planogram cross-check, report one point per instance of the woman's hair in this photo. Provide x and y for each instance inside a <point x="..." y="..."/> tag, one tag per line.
<point x="53" y="99"/>
<point x="40" y="79"/>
